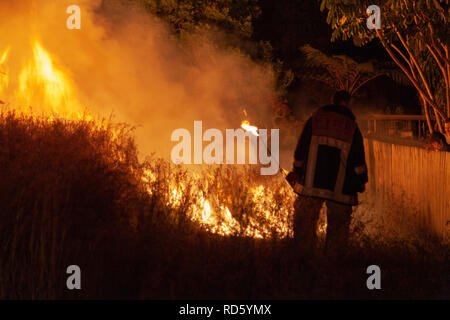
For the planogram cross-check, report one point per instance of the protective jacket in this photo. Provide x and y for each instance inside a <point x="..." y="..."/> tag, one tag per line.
<point x="329" y="158"/>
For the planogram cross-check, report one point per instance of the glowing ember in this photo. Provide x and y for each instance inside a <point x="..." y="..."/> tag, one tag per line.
<point x="247" y="127"/>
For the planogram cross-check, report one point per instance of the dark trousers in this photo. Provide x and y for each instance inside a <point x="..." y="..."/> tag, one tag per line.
<point x="307" y="210"/>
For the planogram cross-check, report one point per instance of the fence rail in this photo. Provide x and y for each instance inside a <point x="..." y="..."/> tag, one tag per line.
<point x="413" y="176"/>
<point x="403" y="126"/>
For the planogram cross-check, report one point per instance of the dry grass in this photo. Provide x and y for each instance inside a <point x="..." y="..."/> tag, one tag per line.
<point x="75" y="193"/>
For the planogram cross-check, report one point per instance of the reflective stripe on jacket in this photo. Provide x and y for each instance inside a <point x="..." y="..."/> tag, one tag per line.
<point x="329" y="159"/>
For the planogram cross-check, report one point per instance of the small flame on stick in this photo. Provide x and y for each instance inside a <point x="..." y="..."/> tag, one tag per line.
<point x="247" y="127"/>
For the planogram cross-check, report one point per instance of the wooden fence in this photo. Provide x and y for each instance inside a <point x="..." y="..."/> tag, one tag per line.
<point x="412" y="176"/>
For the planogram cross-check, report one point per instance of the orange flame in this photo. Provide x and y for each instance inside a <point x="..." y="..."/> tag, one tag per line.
<point x="4" y="77"/>
<point x="39" y="84"/>
<point x="40" y="81"/>
<point x="249" y="128"/>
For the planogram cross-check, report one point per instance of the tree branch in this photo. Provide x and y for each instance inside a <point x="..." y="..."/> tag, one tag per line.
<point x="369" y="79"/>
<point x="402" y="67"/>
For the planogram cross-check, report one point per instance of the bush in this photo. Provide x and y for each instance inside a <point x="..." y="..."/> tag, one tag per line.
<point x="67" y="191"/>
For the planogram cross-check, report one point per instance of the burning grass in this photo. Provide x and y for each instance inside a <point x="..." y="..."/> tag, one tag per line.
<point x="226" y="200"/>
<point x="75" y="192"/>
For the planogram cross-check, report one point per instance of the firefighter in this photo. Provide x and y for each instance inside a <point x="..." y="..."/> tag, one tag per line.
<point x="330" y="167"/>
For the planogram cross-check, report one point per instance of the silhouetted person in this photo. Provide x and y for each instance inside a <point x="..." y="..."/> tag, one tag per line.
<point x="438" y="142"/>
<point x="330" y="166"/>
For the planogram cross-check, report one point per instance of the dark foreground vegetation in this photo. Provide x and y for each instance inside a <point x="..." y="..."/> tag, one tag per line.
<point x="73" y="193"/>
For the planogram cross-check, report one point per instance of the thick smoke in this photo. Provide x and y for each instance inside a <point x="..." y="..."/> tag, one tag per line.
<point x="126" y="63"/>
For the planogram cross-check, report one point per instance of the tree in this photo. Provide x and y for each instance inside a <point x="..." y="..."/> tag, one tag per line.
<point x="187" y="16"/>
<point x="341" y="72"/>
<point x="236" y="17"/>
<point x="414" y="33"/>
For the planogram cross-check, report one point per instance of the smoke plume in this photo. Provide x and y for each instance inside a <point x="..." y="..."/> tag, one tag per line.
<point x="125" y="62"/>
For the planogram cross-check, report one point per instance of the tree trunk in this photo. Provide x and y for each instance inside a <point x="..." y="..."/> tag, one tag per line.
<point x="427" y="115"/>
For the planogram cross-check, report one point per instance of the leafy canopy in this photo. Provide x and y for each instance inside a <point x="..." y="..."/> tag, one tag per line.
<point x="414" y="33"/>
<point x="187" y="16"/>
<point x="341" y="72"/>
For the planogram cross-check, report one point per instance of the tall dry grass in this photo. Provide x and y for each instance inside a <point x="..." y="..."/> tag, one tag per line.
<point x="76" y="193"/>
<point x="67" y="191"/>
